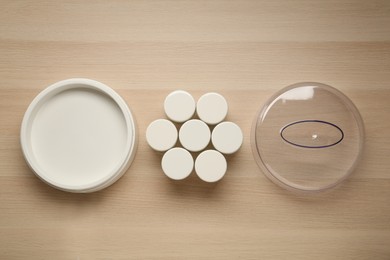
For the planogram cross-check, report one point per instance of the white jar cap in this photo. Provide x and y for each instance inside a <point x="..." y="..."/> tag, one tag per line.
<point x="227" y="137"/>
<point x="212" y="108"/>
<point x="177" y="163"/>
<point x="78" y="135"/>
<point x="194" y="135"/>
<point x="161" y="135"/>
<point x="179" y="106"/>
<point x="210" y="166"/>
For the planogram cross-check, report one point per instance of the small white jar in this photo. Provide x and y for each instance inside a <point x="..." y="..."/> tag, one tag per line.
<point x="194" y="135"/>
<point x="210" y="166"/>
<point x="161" y="135"/>
<point x="177" y="163"/>
<point x="227" y="137"/>
<point x="212" y="108"/>
<point x="179" y="106"/>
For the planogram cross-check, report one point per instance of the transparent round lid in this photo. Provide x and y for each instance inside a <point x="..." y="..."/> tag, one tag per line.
<point x="307" y="137"/>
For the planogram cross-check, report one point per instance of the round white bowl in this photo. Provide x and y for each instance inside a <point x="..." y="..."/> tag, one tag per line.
<point x="78" y="135"/>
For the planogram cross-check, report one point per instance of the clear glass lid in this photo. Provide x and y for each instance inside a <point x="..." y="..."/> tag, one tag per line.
<point x="307" y="137"/>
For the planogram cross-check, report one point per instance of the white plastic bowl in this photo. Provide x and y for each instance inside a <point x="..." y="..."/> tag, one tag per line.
<point x="78" y="135"/>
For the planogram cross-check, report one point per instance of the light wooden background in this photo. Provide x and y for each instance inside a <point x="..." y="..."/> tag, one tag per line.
<point x="246" y="50"/>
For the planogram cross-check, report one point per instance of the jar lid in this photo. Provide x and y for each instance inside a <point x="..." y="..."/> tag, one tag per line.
<point x="194" y="135"/>
<point x="78" y="135"/>
<point x="212" y="108"/>
<point x="179" y="106"/>
<point x="177" y="163"/>
<point x="161" y="135"/>
<point x="307" y="137"/>
<point x="210" y="166"/>
<point x="227" y="137"/>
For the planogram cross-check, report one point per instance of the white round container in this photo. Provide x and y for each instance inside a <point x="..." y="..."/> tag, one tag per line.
<point x="212" y="108"/>
<point x="227" y="137"/>
<point x="78" y="135"/>
<point x="194" y="135"/>
<point x="179" y="106"/>
<point x="177" y="163"/>
<point x="210" y="166"/>
<point x="161" y="135"/>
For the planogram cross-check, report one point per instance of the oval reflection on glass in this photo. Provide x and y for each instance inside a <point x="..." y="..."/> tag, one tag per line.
<point x="312" y="134"/>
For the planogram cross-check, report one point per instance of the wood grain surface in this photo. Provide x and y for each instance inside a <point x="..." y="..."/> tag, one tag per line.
<point x="246" y="50"/>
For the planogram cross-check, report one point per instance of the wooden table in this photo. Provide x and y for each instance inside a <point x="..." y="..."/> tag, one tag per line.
<point x="246" y="50"/>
